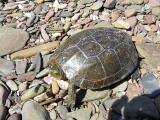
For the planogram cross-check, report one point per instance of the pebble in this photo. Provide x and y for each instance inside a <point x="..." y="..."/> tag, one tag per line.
<point x="156" y="11"/>
<point x="97" y="5"/>
<point x="109" y="3"/>
<point x="53" y="114"/>
<point x="132" y="21"/>
<point x="62" y="111"/>
<point x="154" y="3"/>
<point x="55" y="87"/>
<point x="149" y="19"/>
<point x="138" y="2"/>
<point x="149" y="83"/>
<point x="66" y="14"/>
<point x="87" y="1"/>
<point x="42" y="73"/>
<point x="136" y="108"/>
<point x="39" y="1"/>
<point x="21" y="66"/>
<point x="3" y="95"/>
<point x="33" y="111"/>
<point x="130" y="12"/>
<point x="80" y="114"/>
<point x="22" y="86"/>
<point x="12" y="85"/>
<point x="120" y="88"/>
<point x="63" y="84"/>
<point x="32" y="92"/>
<point x="15" y="117"/>
<point x="6" y="66"/>
<point x="121" y="24"/>
<point x="8" y="45"/>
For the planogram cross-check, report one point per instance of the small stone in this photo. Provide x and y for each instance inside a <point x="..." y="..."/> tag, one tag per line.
<point x="87" y="1"/>
<point x="132" y="21"/>
<point x="149" y="83"/>
<point x="156" y="11"/>
<point x="66" y="14"/>
<point x="80" y="114"/>
<point x="97" y="5"/>
<point x="33" y="111"/>
<point x="55" y="87"/>
<point x="53" y="114"/>
<point x="109" y="3"/>
<point x="120" y="88"/>
<point x="149" y="19"/>
<point x="39" y="1"/>
<point x="62" y="111"/>
<point x="6" y="66"/>
<point x="121" y="24"/>
<point x="154" y="3"/>
<point x="22" y="86"/>
<point x="8" y="45"/>
<point x="67" y="26"/>
<point x="41" y="97"/>
<point x="156" y="39"/>
<point x="43" y="73"/>
<point x="63" y="84"/>
<point x="138" y="39"/>
<point x="15" y="117"/>
<point x="32" y="92"/>
<point x="21" y="66"/>
<point x="3" y="95"/>
<point x="12" y="85"/>
<point x="130" y="12"/>
<point x="38" y="63"/>
<point x="138" y="2"/>
<point x="29" y="76"/>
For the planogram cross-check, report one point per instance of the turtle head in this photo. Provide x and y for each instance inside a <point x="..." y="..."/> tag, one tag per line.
<point x="55" y="69"/>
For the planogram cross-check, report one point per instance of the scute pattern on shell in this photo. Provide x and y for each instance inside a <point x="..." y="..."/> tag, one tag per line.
<point x="99" y="57"/>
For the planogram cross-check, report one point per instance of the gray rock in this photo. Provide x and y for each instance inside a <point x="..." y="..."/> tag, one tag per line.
<point x="38" y="63"/>
<point x="43" y="73"/>
<point x="66" y="14"/>
<point x="3" y="112"/>
<point x="93" y="95"/>
<point x="120" y="88"/>
<point x="33" y="111"/>
<point x="149" y="83"/>
<point x="46" y="60"/>
<point x="87" y="1"/>
<point x="6" y="66"/>
<point x="80" y="114"/>
<point x="3" y="95"/>
<point x="32" y="92"/>
<point x="11" y="44"/>
<point x="136" y="108"/>
<point x="110" y="3"/>
<point x="62" y="111"/>
<point x="15" y="117"/>
<point x="97" y="5"/>
<point x="21" y="66"/>
<point x="53" y="114"/>
<point x="12" y="85"/>
<point x="109" y="102"/>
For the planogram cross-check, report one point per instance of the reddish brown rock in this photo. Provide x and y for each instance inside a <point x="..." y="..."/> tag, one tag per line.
<point x="149" y="19"/>
<point x="132" y="21"/>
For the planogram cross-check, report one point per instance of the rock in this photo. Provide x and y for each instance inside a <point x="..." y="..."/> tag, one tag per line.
<point x="149" y="83"/>
<point x="43" y="73"/>
<point x="93" y="95"/>
<point x="109" y="102"/>
<point x="136" y="108"/>
<point x="149" y="19"/>
<point x="130" y="12"/>
<point x="97" y="5"/>
<point x="138" y="2"/>
<point x="110" y="3"/>
<point x="3" y="112"/>
<point x="138" y="39"/>
<point x="22" y="86"/>
<point x="3" y="95"/>
<point x="121" y="24"/>
<point x="53" y="114"/>
<point x="45" y="59"/>
<point x="55" y="87"/>
<point x="132" y="21"/>
<point x="21" y="66"/>
<point x="32" y="92"/>
<point x="33" y="111"/>
<point x="87" y="1"/>
<point x="156" y="39"/>
<point x="6" y="66"/>
<point x="38" y="63"/>
<point x="62" y="111"/>
<point x="94" y="116"/>
<point x="156" y="11"/>
<point x="104" y="24"/>
<point x="66" y="14"/>
<point x="39" y="1"/>
<point x="134" y="90"/>
<point x="12" y="85"/>
<point x="121" y="88"/>
<point x="29" y="76"/>
<point x="15" y="117"/>
<point x="8" y="45"/>
<point x="154" y="3"/>
<point x="80" y="114"/>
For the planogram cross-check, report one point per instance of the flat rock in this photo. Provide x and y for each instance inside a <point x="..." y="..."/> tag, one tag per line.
<point x="149" y="83"/>
<point x="97" y="5"/>
<point x="93" y="95"/>
<point x="110" y="3"/>
<point x="12" y="85"/>
<point x="87" y="1"/>
<point x="130" y="12"/>
<point x="66" y="14"/>
<point x="33" y="111"/>
<point x="154" y="3"/>
<point x="11" y="44"/>
<point x="21" y="66"/>
<point x="6" y="66"/>
<point x="156" y="11"/>
<point x="132" y="21"/>
<point x="121" y="24"/>
<point x="3" y="112"/>
<point x="120" y="88"/>
<point x="80" y="114"/>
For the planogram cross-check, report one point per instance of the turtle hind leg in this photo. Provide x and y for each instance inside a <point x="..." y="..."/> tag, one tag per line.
<point x="71" y="100"/>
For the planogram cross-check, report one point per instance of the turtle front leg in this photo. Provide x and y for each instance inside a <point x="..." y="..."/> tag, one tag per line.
<point x="71" y="100"/>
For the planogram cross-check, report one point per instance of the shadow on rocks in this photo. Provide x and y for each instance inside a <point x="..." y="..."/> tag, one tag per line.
<point x="144" y="107"/>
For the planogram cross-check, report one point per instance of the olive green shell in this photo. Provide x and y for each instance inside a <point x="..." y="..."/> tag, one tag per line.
<point x="96" y="58"/>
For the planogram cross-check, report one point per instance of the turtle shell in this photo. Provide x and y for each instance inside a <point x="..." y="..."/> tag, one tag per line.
<point x="96" y="58"/>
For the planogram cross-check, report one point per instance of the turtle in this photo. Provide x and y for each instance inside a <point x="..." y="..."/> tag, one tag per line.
<point x="93" y="59"/>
